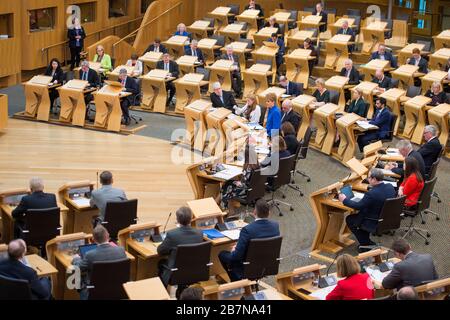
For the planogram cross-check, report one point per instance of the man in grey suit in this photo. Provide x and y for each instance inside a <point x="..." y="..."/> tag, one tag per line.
<point x="185" y="234"/>
<point x="106" y="193"/>
<point x="413" y="270"/>
<point x="104" y="252"/>
<point x="235" y="73"/>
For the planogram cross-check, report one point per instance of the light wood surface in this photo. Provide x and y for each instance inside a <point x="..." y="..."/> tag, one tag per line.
<point x="148" y="289"/>
<point x="3" y="111"/>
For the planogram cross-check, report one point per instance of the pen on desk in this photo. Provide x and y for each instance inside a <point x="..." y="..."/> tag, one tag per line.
<point x="38" y="269"/>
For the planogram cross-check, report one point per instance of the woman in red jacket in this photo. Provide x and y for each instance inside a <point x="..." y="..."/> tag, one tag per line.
<point x="356" y="285"/>
<point x="412" y="184"/>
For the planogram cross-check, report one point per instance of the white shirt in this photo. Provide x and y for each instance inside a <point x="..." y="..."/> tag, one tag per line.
<point x="255" y="115"/>
<point x="156" y="49"/>
<point x="138" y="68"/>
<point x="417" y="62"/>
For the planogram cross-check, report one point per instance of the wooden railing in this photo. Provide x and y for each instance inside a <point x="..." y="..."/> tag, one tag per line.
<point x="134" y="33"/>
<point x="97" y="33"/>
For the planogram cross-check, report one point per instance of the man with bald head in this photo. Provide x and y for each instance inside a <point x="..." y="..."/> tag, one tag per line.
<point x="15" y="267"/>
<point x="38" y="199"/>
<point x="383" y="54"/>
<point x="384" y="82"/>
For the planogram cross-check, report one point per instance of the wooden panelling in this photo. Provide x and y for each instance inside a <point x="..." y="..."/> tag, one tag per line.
<point x="10" y="48"/>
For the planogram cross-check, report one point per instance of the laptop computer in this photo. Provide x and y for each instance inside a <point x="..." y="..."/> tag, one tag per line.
<point x="86" y="248"/>
<point x="347" y="191"/>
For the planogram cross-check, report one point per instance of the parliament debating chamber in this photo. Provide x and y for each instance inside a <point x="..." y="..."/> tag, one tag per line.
<point x="224" y="150"/>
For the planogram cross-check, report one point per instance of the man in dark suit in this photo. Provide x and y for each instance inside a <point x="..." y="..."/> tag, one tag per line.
<point x="262" y="227"/>
<point x="318" y="11"/>
<point x="91" y="76"/>
<point x="289" y="115"/>
<point x="105" y="251"/>
<point x="38" y="199"/>
<point x="346" y="30"/>
<point x="156" y="46"/>
<point x="172" y="67"/>
<point x="382" y="119"/>
<point x="417" y="60"/>
<point x="252" y="5"/>
<point x="281" y="49"/>
<point x="308" y="45"/>
<point x="384" y="82"/>
<point x="236" y="83"/>
<point x="16" y="267"/>
<point x="185" y="234"/>
<point x="382" y="54"/>
<point x="194" y="51"/>
<point x="129" y="85"/>
<point x="292" y="88"/>
<point x="431" y="149"/>
<point x="221" y="98"/>
<point x="350" y="72"/>
<point x="369" y="207"/>
<point x="406" y="150"/>
<point x="413" y="270"/>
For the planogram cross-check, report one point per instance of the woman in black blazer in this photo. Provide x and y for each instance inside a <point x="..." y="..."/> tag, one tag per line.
<point x="55" y="71"/>
<point x="76" y="37"/>
<point x="436" y="94"/>
<point x="290" y="137"/>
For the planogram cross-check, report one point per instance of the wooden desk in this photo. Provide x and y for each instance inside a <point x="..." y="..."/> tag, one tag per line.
<point x="108" y="114"/>
<point x="296" y="40"/>
<point x="3" y="111"/>
<point x="338" y="25"/>
<point x="147" y="289"/>
<point x="302" y="105"/>
<point x="438" y="60"/>
<point x="337" y="51"/>
<point x="37" y="98"/>
<point x="297" y="66"/>
<point x="439" y="116"/>
<point x="262" y="35"/>
<point x="220" y="14"/>
<point x="415" y="118"/>
<point x="216" y="140"/>
<point x="368" y="89"/>
<point x="369" y="68"/>
<point x="276" y="90"/>
<point x="188" y="90"/>
<point x="311" y="21"/>
<point x="195" y="117"/>
<point x="373" y="36"/>
<point x="232" y="32"/>
<point x="42" y="267"/>
<point x="239" y="48"/>
<point x="255" y="79"/>
<point x="187" y="64"/>
<point x="235" y="290"/>
<point x="199" y="29"/>
<point x="73" y="107"/>
<point x="154" y="93"/>
<point x="150" y="59"/>
<point x="406" y="52"/>
<point x="405" y="74"/>
<point x="435" y="290"/>
<point x="326" y="127"/>
<point x="267" y="53"/>
<point x="75" y="196"/>
<point x="338" y="83"/>
<point x="442" y="40"/>
<point x="220" y="72"/>
<point x="176" y="45"/>
<point x="392" y="97"/>
<point x="251" y="17"/>
<point x="208" y="46"/>
<point x="96" y="66"/>
<point x="346" y="128"/>
<point x="433" y="76"/>
<point x="114" y="74"/>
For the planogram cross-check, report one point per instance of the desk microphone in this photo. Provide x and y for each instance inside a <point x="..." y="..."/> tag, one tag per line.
<point x="160" y="237"/>
<point x="328" y="280"/>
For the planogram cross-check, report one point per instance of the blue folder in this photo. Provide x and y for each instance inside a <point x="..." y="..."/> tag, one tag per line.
<point x="213" y="234"/>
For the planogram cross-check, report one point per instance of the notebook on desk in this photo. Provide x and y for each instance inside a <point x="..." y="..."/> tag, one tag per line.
<point x="86" y="248"/>
<point x="213" y="234"/>
<point x="347" y="191"/>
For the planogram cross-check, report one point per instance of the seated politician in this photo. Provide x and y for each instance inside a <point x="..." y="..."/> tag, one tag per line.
<point x="308" y="45"/>
<point x="171" y="66"/>
<point x="431" y="149"/>
<point x="181" y="31"/>
<point x="136" y="64"/>
<point x="382" y="119"/>
<point x="418" y="61"/>
<point x="128" y="85"/>
<point x="105" y="251"/>
<point x="358" y="105"/>
<point x="250" y="111"/>
<point x="194" y="51"/>
<point x="236" y="83"/>
<point x="90" y="75"/>
<point x="281" y="49"/>
<point x="292" y="88"/>
<point x="184" y="234"/>
<point x="289" y="115"/>
<point x="346" y="30"/>
<point x="290" y="137"/>
<point x="221" y="98"/>
<point x="412" y="184"/>
<point x="369" y="208"/>
<point x="382" y="54"/>
<point x="321" y="94"/>
<point x="261" y="228"/>
<point x="38" y="199"/>
<point x="437" y="95"/>
<point x="352" y="74"/>
<point x="384" y="82"/>
<point x="16" y="266"/>
<point x="272" y="23"/>
<point x="156" y="46"/>
<point x="104" y="59"/>
<point x="406" y="150"/>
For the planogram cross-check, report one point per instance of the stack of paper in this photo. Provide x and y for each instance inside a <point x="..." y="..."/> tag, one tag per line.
<point x="229" y="173"/>
<point x="232" y="234"/>
<point x="365" y="124"/>
<point x="81" y="202"/>
<point x="321" y="294"/>
<point x="262" y="150"/>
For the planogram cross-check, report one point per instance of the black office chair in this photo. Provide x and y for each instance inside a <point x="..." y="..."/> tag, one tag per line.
<point x="294" y="17"/>
<point x="119" y="215"/>
<point x="192" y="264"/>
<point x="256" y="191"/>
<point x="262" y="258"/>
<point x="280" y="179"/>
<point x="268" y="62"/>
<point x="293" y="185"/>
<point x="14" y="289"/>
<point x="413" y="91"/>
<point x="249" y="42"/>
<point x="263" y="114"/>
<point x="334" y="96"/>
<point x="431" y="176"/>
<point x="361" y="77"/>
<point x="220" y="39"/>
<point x="422" y="204"/>
<point x="107" y="279"/>
<point x="388" y="34"/>
<point x="137" y="101"/>
<point x="245" y="25"/>
<point x="204" y="72"/>
<point x="234" y="8"/>
<point x="282" y="29"/>
<point x="354" y="12"/>
<point x="40" y="226"/>
<point x="394" y="83"/>
<point x="211" y="25"/>
<point x="427" y="44"/>
<point x="304" y="151"/>
<point x="366" y="109"/>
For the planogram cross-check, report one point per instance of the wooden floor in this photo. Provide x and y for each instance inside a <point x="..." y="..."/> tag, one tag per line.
<point x="141" y="165"/>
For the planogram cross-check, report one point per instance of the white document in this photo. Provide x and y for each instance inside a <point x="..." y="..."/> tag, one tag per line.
<point x="376" y="274"/>
<point x="284" y="96"/>
<point x="262" y="150"/>
<point x="386" y="171"/>
<point x="365" y="124"/>
<point x="358" y="195"/>
<point x="232" y="234"/>
<point x="393" y="152"/>
<point x="255" y="126"/>
<point x="229" y="173"/>
<point x="321" y="294"/>
<point x="81" y="202"/>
